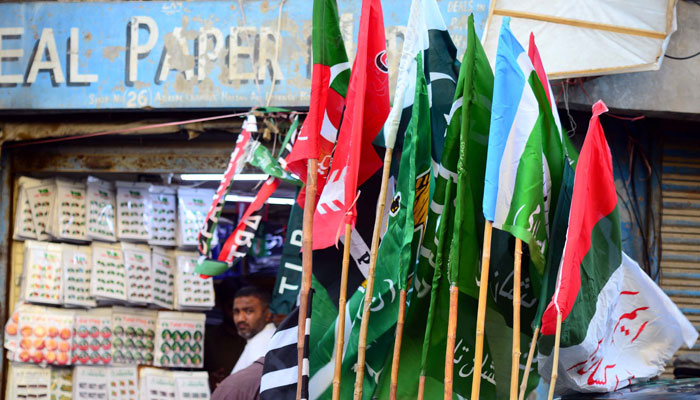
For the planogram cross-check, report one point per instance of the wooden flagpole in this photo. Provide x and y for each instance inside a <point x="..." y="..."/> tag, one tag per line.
<point x="451" y="340"/>
<point x="528" y="364"/>
<point x="307" y="264"/>
<point x="555" y="362"/>
<point x="481" y="313"/>
<point x="397" y="346"/>
<point x="364" y="325"/>
<point x="340" y="337"/>
<point x="515" y="362"/>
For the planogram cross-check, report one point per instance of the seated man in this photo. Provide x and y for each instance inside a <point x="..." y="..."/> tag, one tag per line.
<point x="252" y="316"/>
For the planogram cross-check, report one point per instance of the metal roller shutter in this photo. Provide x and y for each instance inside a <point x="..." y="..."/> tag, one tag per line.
<point x="680" y="229"/>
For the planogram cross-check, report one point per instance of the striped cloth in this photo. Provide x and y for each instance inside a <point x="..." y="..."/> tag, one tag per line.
<point x="279" y="379"/>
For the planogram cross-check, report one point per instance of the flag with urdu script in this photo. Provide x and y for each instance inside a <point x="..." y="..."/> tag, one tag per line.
<point x="526" y="155"/>
<point x="354" y="157"/>
<point x="330" y="77"/>
<point x="617" y="323"/>
<point x="399" y="246"/>
<point x="430" y="294"/>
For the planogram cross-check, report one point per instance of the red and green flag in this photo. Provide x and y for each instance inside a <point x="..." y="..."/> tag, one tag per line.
<point x="355" y="160"/>
<point x="330" y="77"/>
<point x="617" y="324"/>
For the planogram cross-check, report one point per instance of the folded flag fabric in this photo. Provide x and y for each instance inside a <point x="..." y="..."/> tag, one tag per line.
<point x="617" y="323"/>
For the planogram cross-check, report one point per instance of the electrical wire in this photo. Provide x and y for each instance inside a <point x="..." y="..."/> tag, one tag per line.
<point x="682" y="58"/>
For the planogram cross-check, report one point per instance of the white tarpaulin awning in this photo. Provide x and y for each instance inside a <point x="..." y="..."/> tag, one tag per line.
<point x="590" y="37"/>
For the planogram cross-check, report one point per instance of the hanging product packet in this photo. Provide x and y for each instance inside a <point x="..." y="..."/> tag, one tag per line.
<point x="163" y="267"/>
<point x="90" y="383"/>
<point x="12" y="335"/>
<point x="123" y="383"/>
<point x="24" y="221"/>
<point x="139" y="282"/>
<point x="41" y="196"/>
<point x="61" y="383"/>
<point x="42" y="274"/>
<point x="163" y="202"/>
<point x="77" y="271"/>
<point x="192" y="292"/>
<point x="108" y="278"/>
<point x="193" y="206"/>
<point x="92" y="340"/>
<point x="101" y="206"/>
<point x="133" y="211"/>
<point x="68" y="215"/>
<point x="133" y="333"/>
<point x="29" y="382"/>
<point x="156" y="384"/>
<point x="180" y="340"/>
<point x="46" y="336"/>
<point x="192" y="385"/>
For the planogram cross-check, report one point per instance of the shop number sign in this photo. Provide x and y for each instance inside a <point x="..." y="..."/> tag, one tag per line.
<point x="201" y="54"/>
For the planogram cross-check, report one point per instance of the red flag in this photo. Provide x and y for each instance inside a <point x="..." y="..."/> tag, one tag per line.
<point x="534" y="55"/>
<point x="593" y="199"/>
<point x="367" y="106"/>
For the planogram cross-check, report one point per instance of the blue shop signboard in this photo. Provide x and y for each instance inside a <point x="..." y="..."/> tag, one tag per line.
<point x="201" y="54"/>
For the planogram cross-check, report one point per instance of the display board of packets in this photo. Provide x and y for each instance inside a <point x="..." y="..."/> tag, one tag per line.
<point x="180" y="340"/>
<point x="42" y="275"/>
<point x="193" y="205"/>
<point x="163" y="216"/>
<point x="61" y="383"/>
<point x="77" y="268"/>
<point x="30" y="382"/>
<point x="44" y="337"/>
<point x="133" y="211"/>
<point x="101" y="199"/>
<point x="92" y="340"/>
<point x="137" y="259"/>
<point x="69" y="213"/>
<point x="24" y="221"/>
<point x="192" y="292"/>
<point x="41" y="199"/>
<point x="108" y="279"/>
<point x="134" y="335"/>
<point x="163" y="264"/>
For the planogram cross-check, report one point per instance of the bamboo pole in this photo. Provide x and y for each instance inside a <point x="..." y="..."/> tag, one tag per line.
<point x="555" y="362"/>
<point x="528" y="364"/>
<point x="364" y="325"/>
<point x="340" y="337"/>
<point x="481" y="313"/>
<point x="421" y="387"/>
<point x="451" y="339"/>
<point x="307" y="264"/>
<point x="515" y="362"/>
<point x="393" y="387"/>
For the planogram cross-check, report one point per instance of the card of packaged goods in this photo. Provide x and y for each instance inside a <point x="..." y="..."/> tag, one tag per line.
<point x="24" y="221"/>
<point x="41" y="197"/>
<point x="139" y="284"/>
<point x="163" y="215"/>
<point x="68" y="214"/>
<point x="101" y="206"/>
<point x="77" y="268"/>
<point x="180" y="340"/>
<point x="192" y="292"/>
<point x="157" y="384"/>
<point x="193" y="205"/>
<point x="42" y="273"/>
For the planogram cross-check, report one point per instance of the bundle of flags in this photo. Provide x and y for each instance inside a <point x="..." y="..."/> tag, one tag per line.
<point x="472" y="148"/>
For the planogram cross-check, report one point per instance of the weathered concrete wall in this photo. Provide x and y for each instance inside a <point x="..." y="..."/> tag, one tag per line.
<point x="675" y="88"/>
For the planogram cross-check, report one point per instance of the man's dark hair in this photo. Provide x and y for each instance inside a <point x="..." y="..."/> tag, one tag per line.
<point x="254" y="291"/>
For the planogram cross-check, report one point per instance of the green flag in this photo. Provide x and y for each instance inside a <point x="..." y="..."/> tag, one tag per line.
<point x="423" y="349"/>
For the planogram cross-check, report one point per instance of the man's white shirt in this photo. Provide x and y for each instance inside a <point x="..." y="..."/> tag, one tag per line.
<point x="255" y="348"/>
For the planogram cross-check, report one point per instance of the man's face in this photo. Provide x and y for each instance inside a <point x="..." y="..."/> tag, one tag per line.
<point x="250" y="316"/>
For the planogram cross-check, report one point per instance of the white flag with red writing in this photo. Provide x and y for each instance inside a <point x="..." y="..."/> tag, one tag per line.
<point x="367" y="105"/>
<point x="618" y="325"/>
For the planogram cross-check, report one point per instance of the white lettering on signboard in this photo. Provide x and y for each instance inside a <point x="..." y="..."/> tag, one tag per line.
<point x="203" y="53"/>
<point x="238" y="52"/>
<point x="47" y="44"/>
<point x="10" y="54"/>
<point x="135" y="49"/>
<point x="74" y="60"/>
